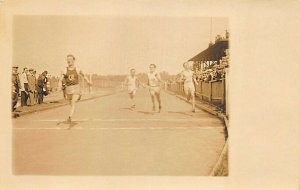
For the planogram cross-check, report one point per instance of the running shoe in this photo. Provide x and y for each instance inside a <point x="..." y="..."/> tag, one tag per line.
<point x="69" y="120"/>
<point x="153" y="108"/>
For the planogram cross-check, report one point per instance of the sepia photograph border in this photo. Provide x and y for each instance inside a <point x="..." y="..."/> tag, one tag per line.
<point x="263" y="96"/>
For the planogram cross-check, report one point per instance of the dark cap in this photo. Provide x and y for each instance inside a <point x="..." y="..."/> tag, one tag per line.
<point x="15" y="67"/>
<point x="30" y="69"/>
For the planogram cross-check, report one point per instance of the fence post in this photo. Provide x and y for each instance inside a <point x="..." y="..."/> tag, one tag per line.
<point x="222" y="93"/>
<point x="201" y="91"/>
<point x="210" y="92"/>
<point x="90" y="87"/>
<point x="180" y="92"/>
<point x="226" y="91"/>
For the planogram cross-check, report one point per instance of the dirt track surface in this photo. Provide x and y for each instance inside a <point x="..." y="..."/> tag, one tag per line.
<point x="108" y="138"/>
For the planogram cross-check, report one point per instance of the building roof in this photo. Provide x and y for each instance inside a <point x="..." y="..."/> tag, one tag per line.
<point x="213" y="53"/>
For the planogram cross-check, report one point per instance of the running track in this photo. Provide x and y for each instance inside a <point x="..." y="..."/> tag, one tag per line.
<point x="108" y="138"/>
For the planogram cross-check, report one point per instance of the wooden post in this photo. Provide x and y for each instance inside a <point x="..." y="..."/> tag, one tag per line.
<point x="90" y="87"/>
<point x="210" y="92"/>
<point x="223" y="92"/>
<point x="226" y="92"/>
<point x="201" y="89"/>
<point x="83" y="90"/>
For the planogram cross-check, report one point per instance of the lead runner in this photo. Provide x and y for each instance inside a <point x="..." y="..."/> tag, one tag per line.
<point x="72" y="89"/>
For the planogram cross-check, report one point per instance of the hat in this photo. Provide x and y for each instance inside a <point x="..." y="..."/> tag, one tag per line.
<point x="30" y="69"/>
<point x="15" y="67"/>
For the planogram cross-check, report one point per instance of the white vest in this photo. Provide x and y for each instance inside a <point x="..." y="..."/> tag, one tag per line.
<point x="153" y="80"/>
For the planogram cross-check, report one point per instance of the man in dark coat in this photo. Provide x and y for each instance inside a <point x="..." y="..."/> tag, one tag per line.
<point x="24" y="87"/>
<point x="42" y="80"/>
<point x="31" y="86"/>
<point x="16" y="85"/>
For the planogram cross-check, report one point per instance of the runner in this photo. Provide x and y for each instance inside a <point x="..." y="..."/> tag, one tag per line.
<point x="154" y="82"/>
<point x="71" y="77"/>
<point x="131" y="82"/>
<point x="188" y="78"/>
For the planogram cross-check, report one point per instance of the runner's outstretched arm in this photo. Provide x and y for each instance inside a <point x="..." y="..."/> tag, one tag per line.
<point x="85" y="78"/>
<point x="126" y="81"/>
<point x="159" y="78"/>
<point x="140" y="83"/>
<point x="195" y="80"/>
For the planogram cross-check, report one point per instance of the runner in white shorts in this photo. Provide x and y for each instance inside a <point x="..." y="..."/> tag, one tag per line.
<point x="71" y="77"/>
<point x="154" y="82"/>
<point x="188" y="78"/>
<point x="131" y="82"/>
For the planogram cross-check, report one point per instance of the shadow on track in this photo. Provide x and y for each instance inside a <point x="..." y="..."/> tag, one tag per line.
<point x="71" y="124"/>
<point x="138" y="111"/>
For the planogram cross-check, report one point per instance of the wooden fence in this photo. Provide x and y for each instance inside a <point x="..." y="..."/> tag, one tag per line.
<point x="210" y="92"/>
<point x="97" y="84"/>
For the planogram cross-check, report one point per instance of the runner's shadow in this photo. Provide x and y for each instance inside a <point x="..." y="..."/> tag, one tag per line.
<point x="143" y="112"/>
<point x="71" y="124"/>
<point x="179" y="112"/>
<point x="126" y="109"/>
<point x="146" y="112"/>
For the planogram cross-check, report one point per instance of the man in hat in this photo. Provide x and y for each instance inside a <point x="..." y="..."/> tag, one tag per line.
<point x="16" y="85"/>
<point x="31" y="87"/>
<point x="35" y="92"/>
<point x="24" y="87"/>
<point x="41" y="82"/>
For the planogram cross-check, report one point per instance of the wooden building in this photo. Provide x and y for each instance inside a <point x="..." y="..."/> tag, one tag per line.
<point x="212" y="55"/>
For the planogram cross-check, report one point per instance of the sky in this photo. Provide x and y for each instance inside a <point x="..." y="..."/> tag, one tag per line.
<point x="111" y="45"/>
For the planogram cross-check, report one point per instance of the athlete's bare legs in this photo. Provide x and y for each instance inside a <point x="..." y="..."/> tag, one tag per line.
<point x="132" y="99"/>
<point x="193" y="101"/>
<point x="159" y="101"/>
<point x="188" y="97"/>
<point x="72" y="104"/>
<point x="153" y="101"/>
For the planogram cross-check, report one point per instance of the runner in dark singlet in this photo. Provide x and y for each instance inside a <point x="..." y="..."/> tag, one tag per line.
<point x="72" y="87"/>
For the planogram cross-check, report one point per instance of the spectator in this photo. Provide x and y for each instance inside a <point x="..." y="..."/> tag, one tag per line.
<point x="24" y="87"/>
<point x="35" y="92"/>
<point x="16" y="85"/>
<point x="209" y="75"/>
<point x="42" y="81"/>
<point x="31" y="87"/>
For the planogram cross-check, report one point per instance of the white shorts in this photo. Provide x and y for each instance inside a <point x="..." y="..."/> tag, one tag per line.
<point x="72" y="90"/>
<point x="189" y="88"/>
<point x="131" y="89"/>
<point x="154" y="90"/>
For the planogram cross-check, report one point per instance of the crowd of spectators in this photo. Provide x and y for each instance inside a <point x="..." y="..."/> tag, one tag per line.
<point x="215" y="73"/>
<point x="29" y="86"/>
